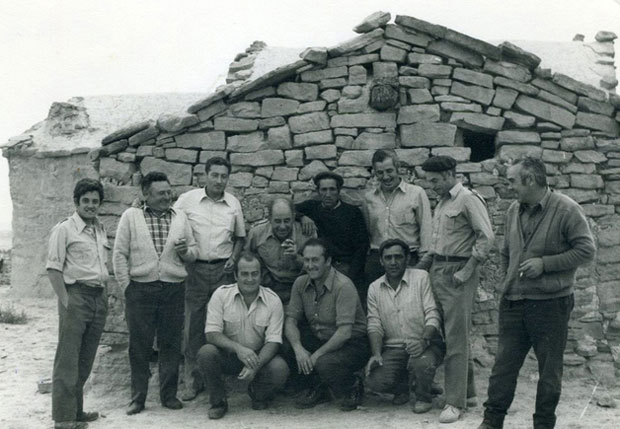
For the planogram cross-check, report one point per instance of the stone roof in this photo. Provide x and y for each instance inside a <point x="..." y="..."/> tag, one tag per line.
<point x="79" y="124"/>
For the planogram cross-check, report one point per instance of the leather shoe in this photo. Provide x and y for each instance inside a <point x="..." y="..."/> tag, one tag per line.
<point x="313" y="397"/>
<point x="436" y="389"/>
<point x="422" y="407"/>
<point x="70" y="425"/>
<point x="134" y="408"/>
<point x="472" y="402"/>
<point x="173" y="404"/>
<point x="190" y="394"/>
<point x="218" y="411"/>
<point x="90" y="416"/>
<point x="355" y="396"/>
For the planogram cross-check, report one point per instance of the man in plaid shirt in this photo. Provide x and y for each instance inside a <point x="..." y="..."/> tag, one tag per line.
<point x="151" y="245"/>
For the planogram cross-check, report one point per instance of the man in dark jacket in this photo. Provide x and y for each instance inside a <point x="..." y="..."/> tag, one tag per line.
<point x="546" y="238"/>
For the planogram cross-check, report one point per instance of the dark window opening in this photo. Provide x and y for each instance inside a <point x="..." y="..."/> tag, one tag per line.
<point x="482" y="145"/>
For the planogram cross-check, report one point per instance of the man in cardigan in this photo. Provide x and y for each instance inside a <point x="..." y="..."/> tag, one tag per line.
<point x="546" y="238"/>
<point x="340" y="224"/>
<point x="149" y="250"/>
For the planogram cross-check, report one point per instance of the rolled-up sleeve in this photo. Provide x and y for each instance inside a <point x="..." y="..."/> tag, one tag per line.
<point x="239" y="221"/>
<point x="374" y="325"/>
<point x="273" y="333"/>
<point x="215" y="313"/>
<point x="432" y="316"/>
<point x="481" y="225"/>
<point x="57" y="249"/>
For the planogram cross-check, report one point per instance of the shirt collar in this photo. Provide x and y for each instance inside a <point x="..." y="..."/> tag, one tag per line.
<point x="401" y="186"/>
<point x="329" y="280"/>
<point x="269" y="233"/>
<point x="455" y="190"/>
<point x="261" y="293"/>
<point x="403" y="281"/>
<point x="223" y="198"/>
<point x="80" y="224"/>
<point x="147" y="209"/>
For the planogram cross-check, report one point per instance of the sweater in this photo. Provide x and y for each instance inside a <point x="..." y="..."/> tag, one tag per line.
<point x="134" y="256"/>
<point x="561" y="237"/>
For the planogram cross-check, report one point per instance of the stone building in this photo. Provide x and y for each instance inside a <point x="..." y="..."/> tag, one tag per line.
<point x="421" y="89"/>
<point x="46" y="161"/>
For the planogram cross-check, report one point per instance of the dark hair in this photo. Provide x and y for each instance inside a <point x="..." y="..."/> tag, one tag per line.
<point x="84" y="186"/>
<point x="328" y="175"/>
<point x="282" y="200"/>
<point x="391" y="243"/>
<point x="216" y="160"/>
<point x="534" y="168"/>
<point x="153" y="176"/>
<point x="327" y="251"/>
<point x="248" y="256"/>
<point x="381" y="155"/>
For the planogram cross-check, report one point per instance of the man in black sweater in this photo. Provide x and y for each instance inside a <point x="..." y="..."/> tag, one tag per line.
<point x="341" y="225"/>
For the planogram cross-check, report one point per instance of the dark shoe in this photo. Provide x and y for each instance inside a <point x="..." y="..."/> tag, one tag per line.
<point x="422" y="407"/>
<point x="259" y="405"/>
<point x="88" y="416"/>
<point x="472" y="402"/>
<point x="354" y="398"/>
<point x="436" y="389"/>
<point x="218" y="411"/>
<point x="485" y="425"/>
<point x="400" y="398"/>
<point x="70" y="425"/>
<point x="173" y="404"/>
<point x="190" y="394"/>
<point x="313" y="397"/>
<point x="134" y="408"/>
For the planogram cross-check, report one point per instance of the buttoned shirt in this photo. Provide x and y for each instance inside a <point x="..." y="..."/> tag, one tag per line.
<point x="400" y="315"/>
<point x="461" y="225"/>
<point x="404" y="214"/>
<point x="159" y="227"/>
<point x="327" y="306"/>
<point x="214" y="222"/>
<point x="283" y="268"/>
<point x="80" y="252"/>
<point x="251" y="327"/>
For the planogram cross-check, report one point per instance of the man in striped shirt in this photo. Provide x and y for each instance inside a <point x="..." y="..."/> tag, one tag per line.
<point x="403" y="329"/>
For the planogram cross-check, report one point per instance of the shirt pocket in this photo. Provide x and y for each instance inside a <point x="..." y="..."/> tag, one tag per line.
<point x="454" y="219"/>
<point x="261" y="321"/>
<point x="406" y="217"/>
<point x="232" y="323"/>
<point x="223" y="219"/>
<point x="83" y="253"/>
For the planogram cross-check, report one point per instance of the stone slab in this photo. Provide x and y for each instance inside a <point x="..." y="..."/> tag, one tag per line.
<point x="427" y="134"/>
<point x="546" y="111"/>
<point x="213" y="140"/>
<point x="259" y="158"/>
<point x="178" y="173"/>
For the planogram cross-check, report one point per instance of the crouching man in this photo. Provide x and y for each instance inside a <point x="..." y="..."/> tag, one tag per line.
<point x="403" y="329"/>
<point x="244" y="332"/>
<point x="76" y="267"/>
<point x="326" y="328"/>
<point x="152" y="242"/>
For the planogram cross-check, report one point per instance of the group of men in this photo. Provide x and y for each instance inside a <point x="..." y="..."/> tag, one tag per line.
<point x="323" y="296"/>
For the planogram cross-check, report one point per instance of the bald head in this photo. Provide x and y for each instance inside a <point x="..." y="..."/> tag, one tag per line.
<point x="281" y="217"/>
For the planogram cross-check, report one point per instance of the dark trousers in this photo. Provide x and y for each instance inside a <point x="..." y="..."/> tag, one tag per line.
<point x="455" y="304"/>
<point x="401" y="371"/>
<point x="373" y="269"/>
<point x="543" y="325"/>
<point x="202" y="280"/>
<point x="214" y="363"/>
<point x="154" y="308"/>
<point x="336" y="370"/>
<point x="79" y="329"/>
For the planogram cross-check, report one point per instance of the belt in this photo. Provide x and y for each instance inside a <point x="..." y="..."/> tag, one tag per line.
<point x="442" y="258"/>
<point x="83" y="287"/>
<point x="213" y="262"/>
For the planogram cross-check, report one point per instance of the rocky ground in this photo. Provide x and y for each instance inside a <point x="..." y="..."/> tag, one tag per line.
<point x="27" y="351"/>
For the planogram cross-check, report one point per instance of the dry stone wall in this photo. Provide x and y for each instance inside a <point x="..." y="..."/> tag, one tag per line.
<point x="434" y="91"/>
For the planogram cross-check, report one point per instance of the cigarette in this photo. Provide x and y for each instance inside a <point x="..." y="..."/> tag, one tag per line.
<point x="520" y="274"/>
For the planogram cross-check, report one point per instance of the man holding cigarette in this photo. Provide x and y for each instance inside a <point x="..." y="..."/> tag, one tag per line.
<point x="151" y="245"/>
<point x="546" y="238"/>
<point x="277" y="243"/>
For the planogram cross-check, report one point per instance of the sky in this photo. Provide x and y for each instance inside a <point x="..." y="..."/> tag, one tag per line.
<point x="52" y="50"/>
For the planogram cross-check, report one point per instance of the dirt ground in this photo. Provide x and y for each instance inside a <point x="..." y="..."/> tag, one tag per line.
<point x="27" y="352"/>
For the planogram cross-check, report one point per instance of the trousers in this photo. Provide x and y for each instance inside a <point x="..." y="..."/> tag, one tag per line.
<point x="80" y="326"/>
<point x="154" y="309"/>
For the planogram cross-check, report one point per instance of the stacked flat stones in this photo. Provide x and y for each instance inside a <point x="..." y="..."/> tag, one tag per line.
<point x="282" y="128"/>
